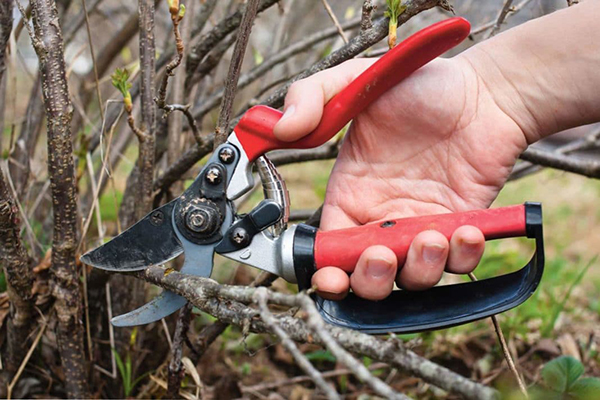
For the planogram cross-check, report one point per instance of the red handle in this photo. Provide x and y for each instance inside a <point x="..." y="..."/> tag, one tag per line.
<point x="342" y="248"/>
<point x="255" y="129"/>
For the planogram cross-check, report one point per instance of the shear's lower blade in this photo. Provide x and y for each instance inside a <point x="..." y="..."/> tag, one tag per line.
<point x="151" y="241"/>
<point x="160" y="307"/>
<point x="198" y="262"/>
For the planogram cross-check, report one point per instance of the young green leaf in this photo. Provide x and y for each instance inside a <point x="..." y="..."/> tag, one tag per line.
<point x="394" y="9"/>
<point x="120" y="80"/>
<point x="560" y="373"/>
<point x="585" y="389"/>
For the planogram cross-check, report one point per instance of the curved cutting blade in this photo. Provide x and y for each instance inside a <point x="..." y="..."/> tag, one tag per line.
<point x="151" y="241"/>
<point x="198" y="262"/>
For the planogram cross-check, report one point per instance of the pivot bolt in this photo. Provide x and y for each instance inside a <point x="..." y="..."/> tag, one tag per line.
<point x="226" y="155"/>
<point x="202" y="219"/>
<point x="240" y="237"/>
<point x="213" y="176"/>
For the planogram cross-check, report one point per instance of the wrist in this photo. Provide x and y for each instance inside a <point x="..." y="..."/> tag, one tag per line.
<point x="543" y="74"/>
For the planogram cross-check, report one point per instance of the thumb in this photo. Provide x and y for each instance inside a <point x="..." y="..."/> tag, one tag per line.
<point x="306" y="98"/>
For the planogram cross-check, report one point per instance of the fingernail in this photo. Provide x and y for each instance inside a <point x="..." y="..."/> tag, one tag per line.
<point x="288" y="112"/>
<point x="378" y="267"/>
<point x="470" y="247"/>
<point x="432" y="253"/>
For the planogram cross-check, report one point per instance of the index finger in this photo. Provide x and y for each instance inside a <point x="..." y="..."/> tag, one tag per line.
<point x="306" y="98"/>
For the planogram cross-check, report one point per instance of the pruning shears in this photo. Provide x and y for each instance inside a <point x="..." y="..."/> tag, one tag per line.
<point x="203" y="220"/>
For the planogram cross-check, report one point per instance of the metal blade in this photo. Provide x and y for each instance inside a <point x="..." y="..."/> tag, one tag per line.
<point x="198" y="262"/>
<point x="151" y="241"/>
<point x="160" y="307"/>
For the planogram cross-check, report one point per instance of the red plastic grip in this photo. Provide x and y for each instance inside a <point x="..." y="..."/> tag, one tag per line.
<point x="342" y="248"/>
<point x="255" y="129"/>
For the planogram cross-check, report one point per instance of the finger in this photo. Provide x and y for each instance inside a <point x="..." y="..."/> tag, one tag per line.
<point x="332" y="283"/>
<point x="466" y="248"/>
<point x="306" y="98"/>
<point x="425" y="261"/>
<point x="373" y="277"/>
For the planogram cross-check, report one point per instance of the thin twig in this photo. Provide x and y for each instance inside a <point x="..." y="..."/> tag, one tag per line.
<point x="227" y="303"/>
<point x="335" y="21"/>
<point x="89" y="32"/>
<point x="484" y="27"/>
<point x="261" y="296"/>
<point x="233" y="75"/>
<point x="176" y="370"/>
<point x="315" y="322"/>
<point x="504" y="345"/>
<point x="506" y="8"/>
<point x="15" y="379"/>
<point x="304" y="378"/>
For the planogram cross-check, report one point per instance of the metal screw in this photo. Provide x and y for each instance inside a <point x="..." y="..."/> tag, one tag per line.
<point x="157" y="218"/>
<point x="226" y="155"/>
<point x="240" y="237"/>
<point x="213" y="176"/>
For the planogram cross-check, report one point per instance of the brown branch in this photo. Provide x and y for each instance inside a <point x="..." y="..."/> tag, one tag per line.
<point x="261" y="297"/>
<point x="19" y="279"/>
<point x="210" y="39"/>
<point x="335" y="21"/>
<point x="506" y="8"/>
<point x="589" y="168"/>
<point x="48" y="44"/>
<point x="161" y="99"/>
<point x="488" y="25"/>
<point x="227" y="303"/>
<point x="6" y="22"/>
<point x="505" y="351"/>
<point x="20" y="157"/>
<point x="590" y="141"/>
<point x="176" y="370"/>
<point x="355" y="47"/>
<point x="255" y="73"/>
<point x="148" y="110"/>
<point x="235" y="67"/>
<point x="366" y="21"/>
<point x="303" y="378"/>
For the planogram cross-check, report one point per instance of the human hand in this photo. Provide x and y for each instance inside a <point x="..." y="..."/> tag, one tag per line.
<point x="436" y="143"/>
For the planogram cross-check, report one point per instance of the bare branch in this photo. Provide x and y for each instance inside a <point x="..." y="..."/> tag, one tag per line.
<point x="506" y="8"/>
<point x="227" y="304"/>
<point x="315" y="322"/>
<point x="505" y="351"/>
<point x="335" y="21"/>
<point x="6" y="22"/>
<point x="235" y="66"/>
<point x="59" y="112"/>
<point x="176" y="370"/>
<point x="589" y="168"/>
<point x="146" y="143"/>
<point x="19" y="278"/>
<point x="261" y="296"/>
<point x="484" y="27"/>
<point x="366" y="21"/>
<point x="215" y="35"/>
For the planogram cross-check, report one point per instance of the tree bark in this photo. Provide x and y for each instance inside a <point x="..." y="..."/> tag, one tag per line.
<point x="6" y="22"/>
<point x="19" y="279"/>
<point x="48" y="44"/>
<point x="147" y="140"/>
